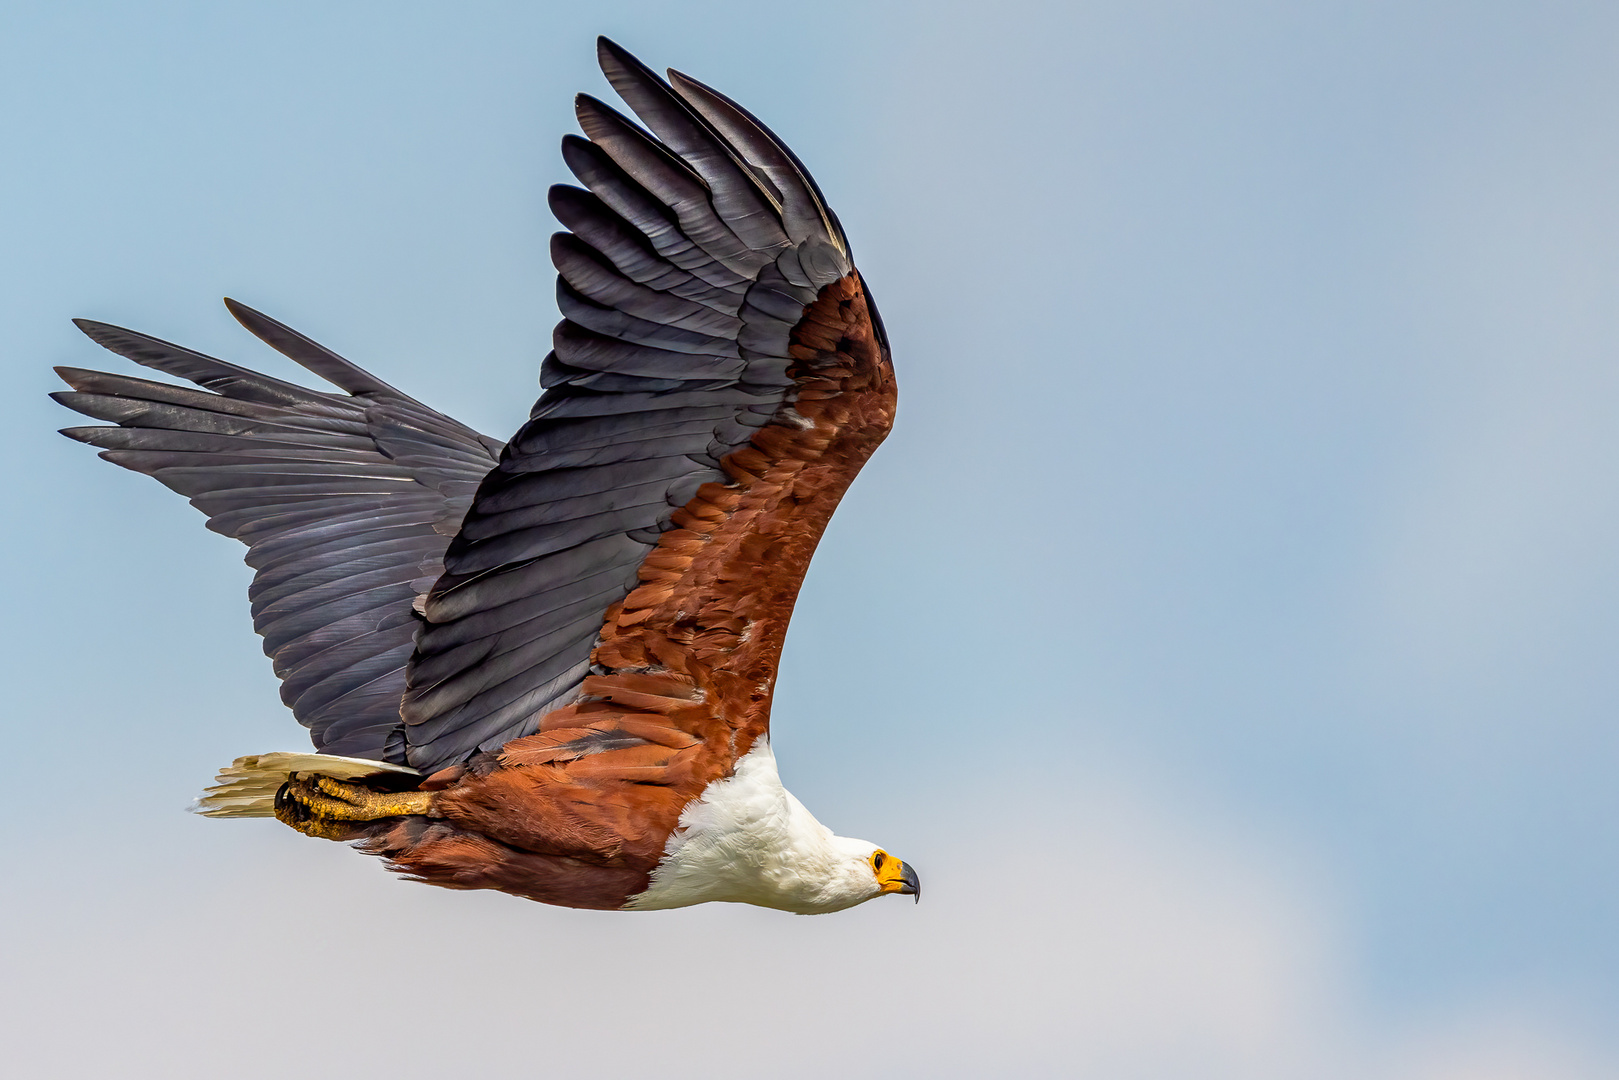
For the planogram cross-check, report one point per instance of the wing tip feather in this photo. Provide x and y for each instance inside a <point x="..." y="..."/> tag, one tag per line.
<point x="310" y="354"/>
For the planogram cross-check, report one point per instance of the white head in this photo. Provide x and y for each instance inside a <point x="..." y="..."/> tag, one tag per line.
<point x="853" y="871"/>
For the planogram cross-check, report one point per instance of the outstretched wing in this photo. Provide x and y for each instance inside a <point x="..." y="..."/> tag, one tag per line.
<point x="345" y="501"/>
<point x="717" y="381"/>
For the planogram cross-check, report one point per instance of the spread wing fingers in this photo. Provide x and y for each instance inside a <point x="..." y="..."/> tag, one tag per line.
<point x="345" y="501"/>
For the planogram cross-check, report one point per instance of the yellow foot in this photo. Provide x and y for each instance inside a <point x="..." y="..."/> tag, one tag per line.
<point x="331" y="809"/>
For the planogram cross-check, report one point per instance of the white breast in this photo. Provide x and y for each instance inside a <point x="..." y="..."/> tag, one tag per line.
<point x="747" y="840"/>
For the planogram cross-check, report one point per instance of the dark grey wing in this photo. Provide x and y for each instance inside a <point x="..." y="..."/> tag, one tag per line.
<point x="345" y="501"/>
<point x="692" y="252"/>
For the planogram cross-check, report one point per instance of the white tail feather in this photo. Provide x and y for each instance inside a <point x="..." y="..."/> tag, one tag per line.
<point x="247" y="786"/>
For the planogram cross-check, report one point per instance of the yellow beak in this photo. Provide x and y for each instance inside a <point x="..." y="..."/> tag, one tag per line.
<point x="898" y="877"/>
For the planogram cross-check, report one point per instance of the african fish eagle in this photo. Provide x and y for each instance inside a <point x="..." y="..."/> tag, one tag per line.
<point x="546" y="667"/>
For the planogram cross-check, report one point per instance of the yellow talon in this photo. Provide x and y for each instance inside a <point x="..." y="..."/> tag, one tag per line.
<point x="330" y="809"/>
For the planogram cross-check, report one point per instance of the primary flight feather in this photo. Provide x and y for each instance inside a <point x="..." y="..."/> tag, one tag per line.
<point x="547" y="667"/>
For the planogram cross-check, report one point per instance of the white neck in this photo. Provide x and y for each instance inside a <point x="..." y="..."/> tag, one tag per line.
<point x="747" y="840"/>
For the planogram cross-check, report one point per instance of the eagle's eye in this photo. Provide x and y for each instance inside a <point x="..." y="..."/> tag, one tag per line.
<point x="877" y="860"/>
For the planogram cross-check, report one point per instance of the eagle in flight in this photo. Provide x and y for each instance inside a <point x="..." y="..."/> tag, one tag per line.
<point x="546" y="666"/>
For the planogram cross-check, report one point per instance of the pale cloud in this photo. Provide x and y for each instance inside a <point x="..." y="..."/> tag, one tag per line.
<point x="1116" y="934"/>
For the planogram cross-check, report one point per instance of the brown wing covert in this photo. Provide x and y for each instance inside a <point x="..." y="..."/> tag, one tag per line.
<point x="695" y="249"/>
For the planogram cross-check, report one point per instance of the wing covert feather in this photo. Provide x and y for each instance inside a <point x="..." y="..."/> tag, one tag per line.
<point x="697" y="249"/>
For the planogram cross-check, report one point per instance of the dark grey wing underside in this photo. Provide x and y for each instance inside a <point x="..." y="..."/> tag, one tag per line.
<point x="345" y="501"/>
<point x="693" y="250"/>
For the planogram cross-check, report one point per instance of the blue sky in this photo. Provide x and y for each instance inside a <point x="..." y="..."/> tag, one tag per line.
<point x="1226" y="631"/>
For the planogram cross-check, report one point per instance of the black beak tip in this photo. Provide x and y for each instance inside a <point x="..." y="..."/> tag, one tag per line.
<point x="913" y="884"/>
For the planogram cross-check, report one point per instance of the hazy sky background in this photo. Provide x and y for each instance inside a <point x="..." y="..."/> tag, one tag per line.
<point x="1227" y="631"/>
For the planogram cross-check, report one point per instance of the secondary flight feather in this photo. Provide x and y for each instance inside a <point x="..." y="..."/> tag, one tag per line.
<point x="546" y="667"/>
